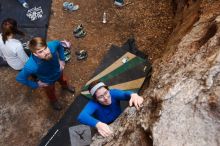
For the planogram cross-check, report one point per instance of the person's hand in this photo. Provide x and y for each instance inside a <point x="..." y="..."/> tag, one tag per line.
<point x="42" y="84"/>
<point x="104" y="129"/>
<point x="136" y="100"/>
<point x="62" y="64"/>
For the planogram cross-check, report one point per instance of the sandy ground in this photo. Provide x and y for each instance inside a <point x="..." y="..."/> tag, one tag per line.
<point x="26" y="114"/>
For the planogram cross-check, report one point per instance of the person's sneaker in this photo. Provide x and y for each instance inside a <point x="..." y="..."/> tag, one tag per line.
<point x="80" y="52"/>
<point x="70" y="88"/>
<point x="67" y="57"/>
<point x="119" y="4"/>
<point x="66" y="52"/>
<point x="80" y="34"/>
<point x="70" y="6"/>
<point x="65" y="5"/>
<point x="82" y="56"/>
<point x="56" y="105"/>
<point x="78" y="29"/>
<point x="25" y="5"/>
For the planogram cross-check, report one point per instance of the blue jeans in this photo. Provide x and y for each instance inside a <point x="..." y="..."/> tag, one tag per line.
<point x="22" y="1"/>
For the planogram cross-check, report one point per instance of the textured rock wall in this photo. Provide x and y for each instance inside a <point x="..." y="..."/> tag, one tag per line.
<point x="182" y="103"/>
<point x="189" y="88"/>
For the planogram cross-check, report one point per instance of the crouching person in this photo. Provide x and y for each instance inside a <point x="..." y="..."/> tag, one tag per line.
<point x="46" y="63"/>
<point x="105" y="106"/>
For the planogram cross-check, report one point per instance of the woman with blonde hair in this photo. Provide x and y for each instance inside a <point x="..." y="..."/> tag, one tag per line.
<point x="11" y="49"/>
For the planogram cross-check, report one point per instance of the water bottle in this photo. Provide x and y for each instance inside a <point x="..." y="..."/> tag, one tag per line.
<point x="104" y="18"/>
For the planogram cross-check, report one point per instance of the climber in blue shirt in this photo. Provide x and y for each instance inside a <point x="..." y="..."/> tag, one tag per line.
<point x="105" y="106"/>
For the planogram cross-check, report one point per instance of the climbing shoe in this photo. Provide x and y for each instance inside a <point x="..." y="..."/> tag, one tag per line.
<point x="81" y="55"/>
<point x="80" y="34"/>
<point x="67" y="52"/>
<point x="70" y="6"/>
<point x="119" y="3"/>
<point x="78" y="28"/>
<point x="67" y="57"/>
<point x="80" y="52"/>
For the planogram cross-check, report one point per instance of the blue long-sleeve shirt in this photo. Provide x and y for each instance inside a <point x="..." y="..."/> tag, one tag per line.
<point x="94" y="112"/>
<point x="46" y="71"/>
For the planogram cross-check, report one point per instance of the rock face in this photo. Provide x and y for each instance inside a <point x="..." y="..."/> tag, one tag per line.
<point x="182" y="103"/>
